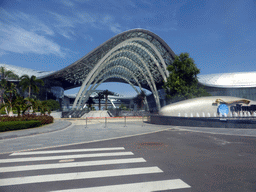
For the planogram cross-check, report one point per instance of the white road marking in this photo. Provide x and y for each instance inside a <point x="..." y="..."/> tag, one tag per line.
<point x="66" y="160"/>
<point x="78" y="175"/>
<point x="135" y="187"/>
<point x="67" y="151"/>
<point x="64" y="157"/>
<point x="69" y="165"/>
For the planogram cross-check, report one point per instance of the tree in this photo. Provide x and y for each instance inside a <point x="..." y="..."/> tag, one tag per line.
<point x="53" y="104"/>
<point x="9" y="96"/>
<point x="30" y="83"/>
<point x="106" y="93"/>
<point x="99" y="97"/>
<point x="123" y="107"/>
<point x="5" y="76"/>
<point x="44" y="107"/>
<point x="182" y="82"/>
<point x="139" y="99"/>
<point x="20" y="105"/>
<point x="90" y="102"/>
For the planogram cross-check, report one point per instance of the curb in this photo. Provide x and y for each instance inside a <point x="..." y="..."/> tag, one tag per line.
<point x="55" y="126"/>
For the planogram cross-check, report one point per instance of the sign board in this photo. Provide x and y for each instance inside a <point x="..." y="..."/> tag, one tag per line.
<point x="223" y="109"/>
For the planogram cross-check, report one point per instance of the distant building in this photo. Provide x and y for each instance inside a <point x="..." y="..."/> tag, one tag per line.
<point x="212" y="106"/>
<point x="242" y="84"/>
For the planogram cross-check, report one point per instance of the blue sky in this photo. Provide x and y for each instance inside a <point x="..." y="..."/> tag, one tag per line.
<point x="50" y="35"/>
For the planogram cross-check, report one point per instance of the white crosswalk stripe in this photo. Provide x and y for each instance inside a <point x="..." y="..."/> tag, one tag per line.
<point x="66" y="165"/>
<point x="67" y="151"/>
<point x="39" y="161"/>
<point x="64" y="157"/>
<point x="135" y="187"/>
<point x="78" y="175"/>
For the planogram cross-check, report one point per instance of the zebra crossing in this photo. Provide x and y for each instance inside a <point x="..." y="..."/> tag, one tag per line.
<point x="79" y="170"/>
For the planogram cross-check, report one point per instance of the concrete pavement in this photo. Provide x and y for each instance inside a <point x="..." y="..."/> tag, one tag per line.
<point x="185" y="160"/>
<point x="57" y="125"/>
<point x="75" y="131"/>
<point x="222" y="131"/>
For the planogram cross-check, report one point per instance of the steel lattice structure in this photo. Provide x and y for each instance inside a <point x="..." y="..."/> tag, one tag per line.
<point x="137" y="57"/>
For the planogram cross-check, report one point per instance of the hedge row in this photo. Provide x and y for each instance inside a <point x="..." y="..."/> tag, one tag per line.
<point x="16" y="125"/>
<point x="44" y="119"/>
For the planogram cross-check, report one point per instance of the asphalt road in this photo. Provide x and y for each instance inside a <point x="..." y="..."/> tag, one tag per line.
<point x="167" y="160"/>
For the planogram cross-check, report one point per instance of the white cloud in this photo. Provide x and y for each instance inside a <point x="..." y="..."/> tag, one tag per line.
<point x="44" y="28"/>
<point x="109" y="22"/>
<point x="67" y="3"/>
<point x="115" y="28"/>
<point x="28" y="22"/>
<point x="88" y="37"/>
<point x="19" y="40"/>
<point x="162" y="29"/>
<point x="64" y="21"/>
<point x="23" y="33"/>
<point x="66" y="24"/>
<point x="70" y="3"/>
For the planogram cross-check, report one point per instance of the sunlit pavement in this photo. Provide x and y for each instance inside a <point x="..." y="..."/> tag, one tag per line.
<point x="173" y="159"/>
<point x="78" y="132"/>
<point x="222" y="131"/>
<point x="91" y="130"/>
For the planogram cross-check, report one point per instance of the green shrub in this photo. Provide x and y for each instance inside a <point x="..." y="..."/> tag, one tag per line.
<point x="44" y="119"/>
<point x="52" y="104"/>
<point x="2" y="111"/>
<point x="17" y="125"/>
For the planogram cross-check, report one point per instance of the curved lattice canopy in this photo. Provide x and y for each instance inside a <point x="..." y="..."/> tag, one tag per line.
<point x="138" y="56"/>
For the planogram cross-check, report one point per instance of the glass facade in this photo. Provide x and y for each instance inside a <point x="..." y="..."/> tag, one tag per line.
<point x="247" y="93"/>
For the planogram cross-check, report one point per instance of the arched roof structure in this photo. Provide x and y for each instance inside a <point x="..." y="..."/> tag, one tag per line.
<point x="229" y="80"/>
<point x="138" y="55"/>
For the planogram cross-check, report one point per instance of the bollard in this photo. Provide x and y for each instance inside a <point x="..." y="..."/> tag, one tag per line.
<point x="142" y="121"/>
<point x="86" y="122"/>
<point x="105" y="122"/>
<point x="125" y="121"/>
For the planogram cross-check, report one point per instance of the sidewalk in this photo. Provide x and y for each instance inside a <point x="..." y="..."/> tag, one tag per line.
<point x="55" y="126"/>
<point x="60" y="124"/>
<point x="63" y="133"/>
<point x="222" y="131"/>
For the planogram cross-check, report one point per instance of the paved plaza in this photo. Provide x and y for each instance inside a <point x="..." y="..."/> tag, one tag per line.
<point x="74" y="131"/>
<point x="117" y="155"/>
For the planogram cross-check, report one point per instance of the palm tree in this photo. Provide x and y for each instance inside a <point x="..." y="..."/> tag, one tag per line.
<point x="99" y="97"/>
<point x="44" y="107"/>
<point x="106" y="93"/>
<point x="30" y="83"/>
<point x="20" y="105"/>
<point x="34" y="103"/>
<point x="139" y="99"/>
<point x="9" y="96"/>
<point x="90" y="102"/>
<point x="5" y="75"/>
